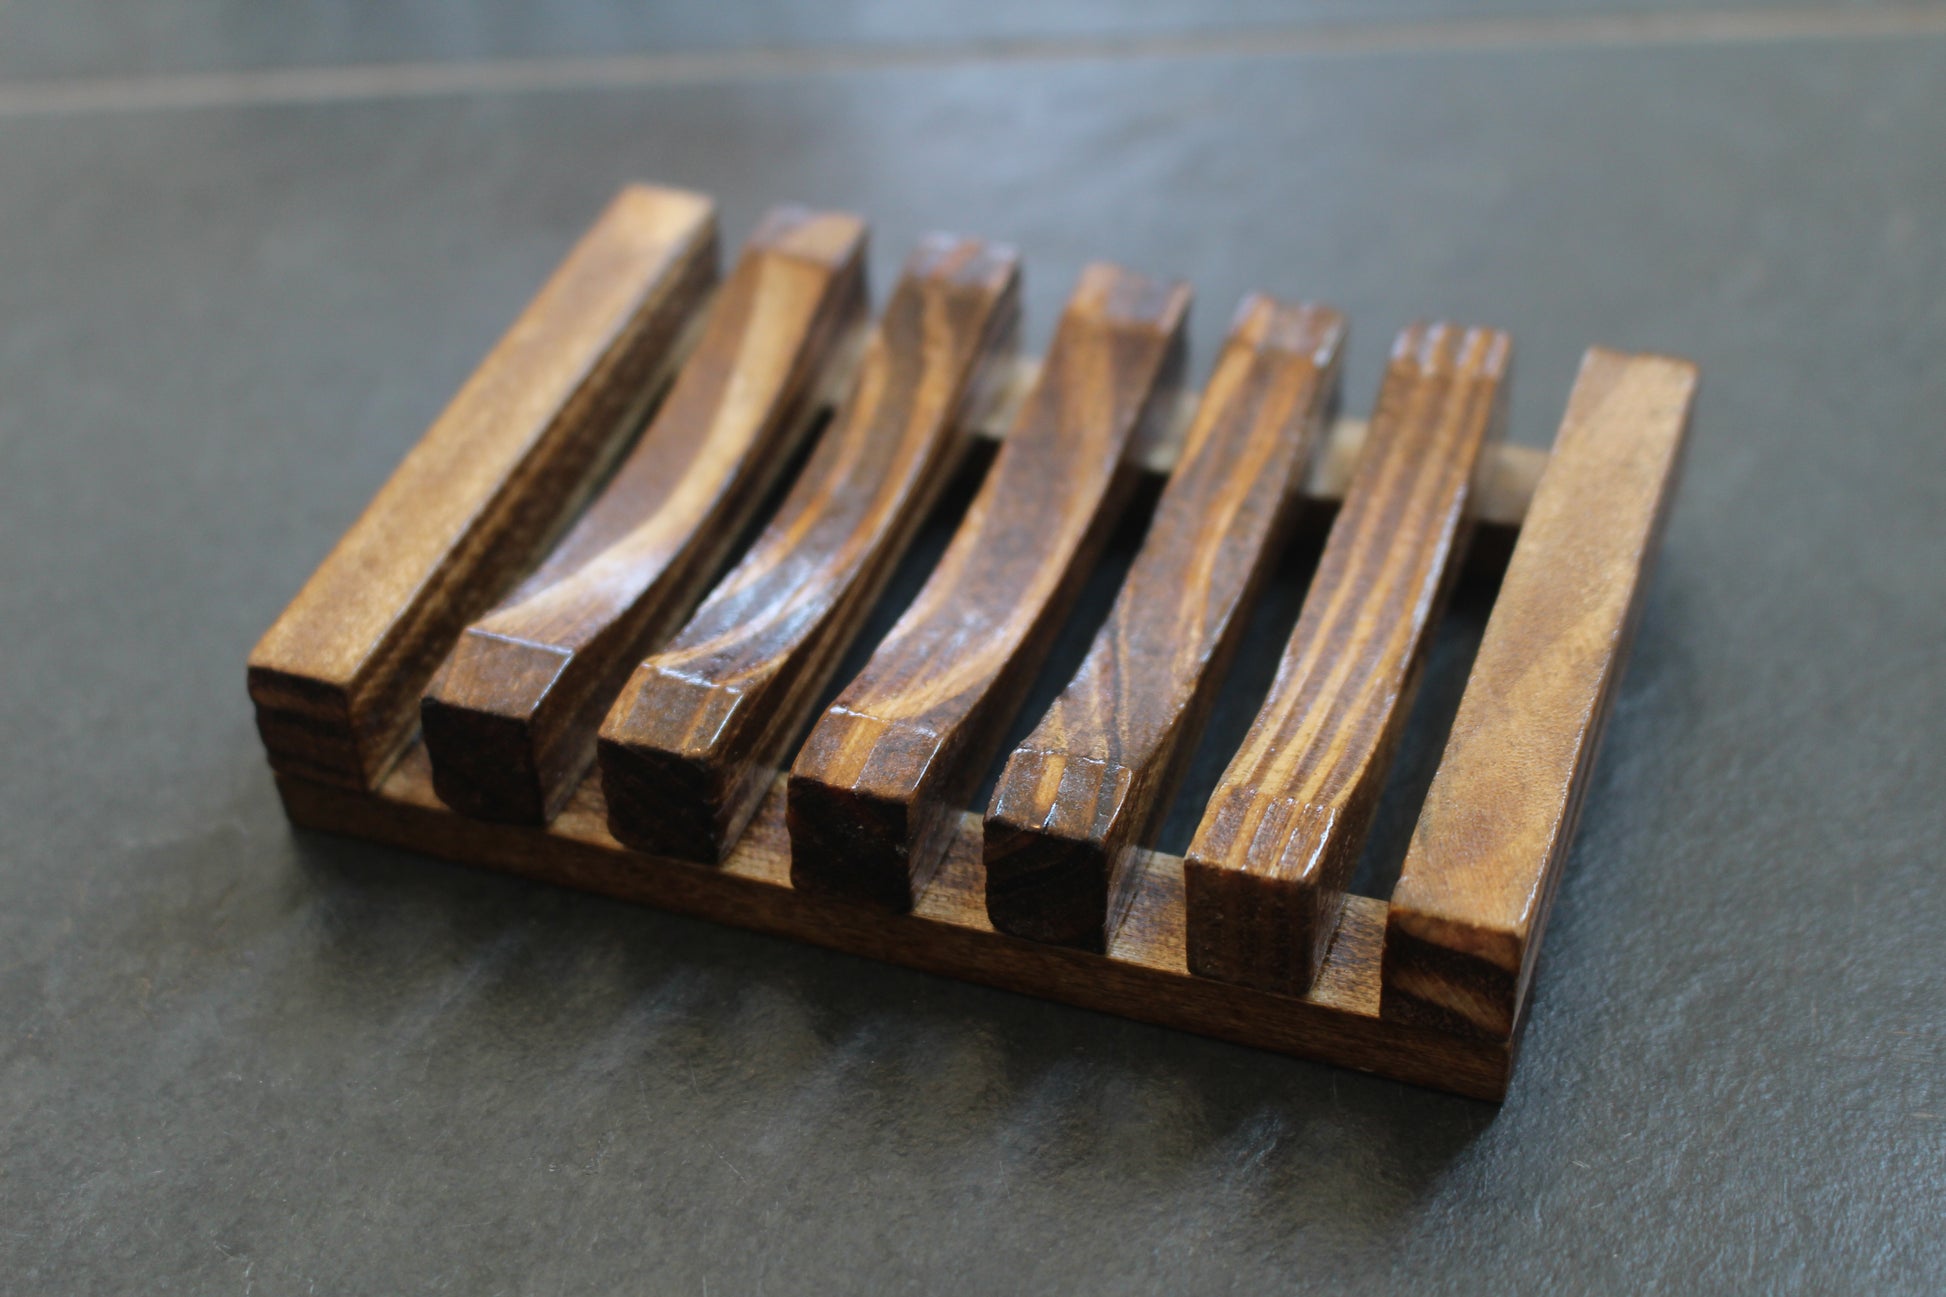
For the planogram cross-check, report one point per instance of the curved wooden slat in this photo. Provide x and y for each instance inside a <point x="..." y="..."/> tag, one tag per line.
<point x="1465" y="919"/>
<point x="1266" y="874"/>
<point x="510" y="719"/>
<point x="336" y="679"/>
<point x="879" y="784"/>
<point x="692" y="744"/>
<point x="1092" y="780"/>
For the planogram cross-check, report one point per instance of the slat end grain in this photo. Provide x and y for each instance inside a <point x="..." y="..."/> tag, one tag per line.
<point x="308" y="725"/>
<point x="1266" y="874"/>
<point x="828" y="242"/>
<point x="1258" y="911"/>
<point x="532" y="679"/>
<point x="336" y="678"/>
<point x="485" y="715"/>
<point x="659" y="216"/>
<point x="872" y="830"/>
<point x="668" y="774"/>
<point x="688" y="749"/>
<point x="1306" y="331"/>
<point x="968" y="265"/>
<point x="873" y="810"/>
<point x="1113" y="296"/>
<point x="1449" y="975"/>
<point x="1057" y="842"/>
<point x="1486" y="856"/>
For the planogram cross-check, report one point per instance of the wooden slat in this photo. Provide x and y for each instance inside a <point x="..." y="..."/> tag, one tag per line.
<point x="1267" y="870"/>
<point x="1466" y="917"/>
<point x="510" y="719"/>
<point x="336" y="679"/>
<point x="1090" y="783"/>
<point x="693" y="743"/>
<point x="1142" y="975"/>
<point x="882" y="778"/>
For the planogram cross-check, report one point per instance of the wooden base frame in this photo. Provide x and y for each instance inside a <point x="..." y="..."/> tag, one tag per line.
<point x="1144" y="975"/>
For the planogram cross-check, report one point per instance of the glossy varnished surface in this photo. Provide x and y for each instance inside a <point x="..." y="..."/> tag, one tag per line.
<point x="1088" y="786"/>
<point x="510" y="718"/>
<point x="1268" y="869"/>
<point x="693" y="742"/>
<point x="880" y="781"/>
<point x="1466" y="918"/>
<point x="335" y="679"/>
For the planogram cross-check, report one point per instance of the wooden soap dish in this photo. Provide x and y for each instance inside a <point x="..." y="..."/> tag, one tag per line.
<point x="526" y="654"/>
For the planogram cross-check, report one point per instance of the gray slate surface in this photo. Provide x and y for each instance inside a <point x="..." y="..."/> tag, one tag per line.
<point x="241" y="1059"/>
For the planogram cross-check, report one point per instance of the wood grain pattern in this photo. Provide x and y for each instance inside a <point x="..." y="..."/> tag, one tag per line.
<point x="1090" y="783"/>
<point x="336" y="679"/>
<point x="1267" y="871"/>
<point x="510" y="719"/>
<point x="1429" y="988"/>
<point x="1505" y="485"/>
<point x="1466" y="918"/>
<point x="693" y="743"/>
<point x="881" y="781"/>
<point x="1142" y="976"/>
<point x="1508" y="474"/>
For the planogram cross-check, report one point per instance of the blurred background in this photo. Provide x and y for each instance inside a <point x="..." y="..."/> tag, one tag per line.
<point x="246" y="253"/>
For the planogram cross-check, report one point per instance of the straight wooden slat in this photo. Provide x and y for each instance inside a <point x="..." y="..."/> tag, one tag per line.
<point x="881" y="780"/>
<point x="1465" y="920"/>
<point x="510" y="719"/>
<point x="1267" y="870"/>
<point x="1090" y="783"/>
<point x="693" y="743"/>
<point x="336" y="679"/>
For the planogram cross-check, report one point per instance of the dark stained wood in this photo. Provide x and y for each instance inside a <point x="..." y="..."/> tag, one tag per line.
<point x="1266" y="873"/>
<point x="1506" y="483"/>
<point x="1465" y="920"/>
<point x="693" y="743"/>
<point x="880" y="783"/>
<point x="510" y="718"/>
<point x="1429" y="988"/>
<point x="336" y="679"/>
<point x="1091" y="782"/>
<point x="1143" y="975"/>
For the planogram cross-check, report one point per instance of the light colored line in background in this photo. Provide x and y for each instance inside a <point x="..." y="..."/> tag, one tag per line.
<point x="357" y="84"/>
